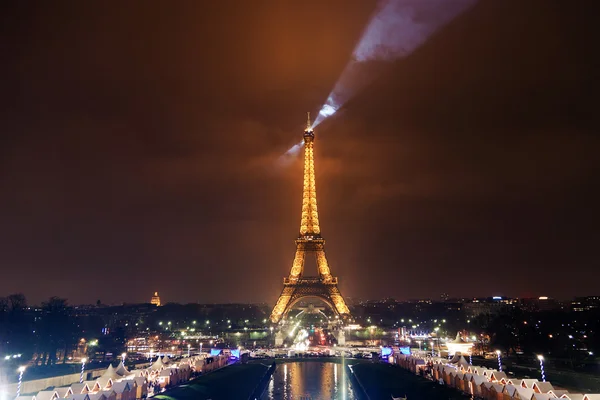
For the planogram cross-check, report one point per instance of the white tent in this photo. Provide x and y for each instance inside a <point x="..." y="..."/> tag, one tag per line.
<point x="108" y="377"/>
<point x="121" y="370"/>
<point x="63" y="392"/>
<point x="158" y="365"/>
<point x="80" y="396"/>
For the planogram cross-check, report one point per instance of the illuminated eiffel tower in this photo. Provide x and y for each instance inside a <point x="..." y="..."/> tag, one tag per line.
<point x="297" y="286"/>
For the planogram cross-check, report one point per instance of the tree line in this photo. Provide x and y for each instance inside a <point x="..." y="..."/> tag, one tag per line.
<point x="39" y="332"/>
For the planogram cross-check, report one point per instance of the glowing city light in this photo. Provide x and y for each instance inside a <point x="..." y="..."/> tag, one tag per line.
<point x="541" y="358"/>
<point x="83" y="360"/>
<point x="21" y="371"/>
<point x="499" y="353"/>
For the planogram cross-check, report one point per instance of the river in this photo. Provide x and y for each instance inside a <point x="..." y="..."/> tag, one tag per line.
<point x="312" y="380"/>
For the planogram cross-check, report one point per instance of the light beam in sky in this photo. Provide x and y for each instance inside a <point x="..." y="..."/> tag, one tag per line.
<point x="291" y="153"/>
<point x="396" y="29"/>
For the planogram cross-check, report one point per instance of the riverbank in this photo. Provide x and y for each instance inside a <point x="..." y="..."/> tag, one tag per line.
<point x="335" y="360"/>
<point x="235" y="382"/>
<point x="309" y="380"/>
<point x="380" y="381"/>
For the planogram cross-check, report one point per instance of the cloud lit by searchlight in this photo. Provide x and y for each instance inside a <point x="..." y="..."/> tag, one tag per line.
<point x="395" y="30"/>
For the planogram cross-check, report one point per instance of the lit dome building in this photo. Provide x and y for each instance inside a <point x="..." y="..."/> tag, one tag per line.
<point x="155" y="299"/>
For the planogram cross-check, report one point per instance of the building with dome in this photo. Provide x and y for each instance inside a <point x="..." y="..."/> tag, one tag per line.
<point x="155" y="299"/>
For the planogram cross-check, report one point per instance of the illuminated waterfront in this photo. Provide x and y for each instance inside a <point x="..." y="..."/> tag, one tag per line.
<point x="315" y="380"/>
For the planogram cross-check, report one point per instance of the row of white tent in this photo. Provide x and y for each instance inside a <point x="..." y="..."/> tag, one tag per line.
<point x="113" y="384"/>
<point x="122" y="384"/>
<point x="484" y="383"/>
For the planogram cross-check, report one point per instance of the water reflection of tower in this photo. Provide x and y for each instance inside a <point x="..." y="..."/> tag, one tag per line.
<point x="328" y="378"/>
<point x="285" y="380"/>
<point x="335" y="375"/>
<point x="297" y="379"/>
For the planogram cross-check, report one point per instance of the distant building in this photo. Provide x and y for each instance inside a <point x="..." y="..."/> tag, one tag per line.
<point x="542" y="303"/>
<point x="585" y="303"/>
<point x="452" y="306"/>
<point x="489" y="305"/>
<point x="155" y="299"/>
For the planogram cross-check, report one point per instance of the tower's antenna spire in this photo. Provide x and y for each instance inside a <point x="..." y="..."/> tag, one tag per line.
<point x="308" y="124"/>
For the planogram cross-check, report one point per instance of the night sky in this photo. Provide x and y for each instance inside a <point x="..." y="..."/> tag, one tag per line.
<point x="139" y="146"/>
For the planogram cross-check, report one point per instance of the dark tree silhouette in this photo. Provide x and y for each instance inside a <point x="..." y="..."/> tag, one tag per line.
<point x="57" y="330"/>
<point x="15" y="326"/>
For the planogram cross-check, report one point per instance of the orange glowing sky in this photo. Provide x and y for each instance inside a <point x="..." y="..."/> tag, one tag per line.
<point x="140" y="144"/>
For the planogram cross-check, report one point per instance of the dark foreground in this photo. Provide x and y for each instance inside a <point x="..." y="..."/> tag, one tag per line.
<point x="235" y="382"/>
<point x="381" y="381"/>
<point x="319" y="379"/>
<point x="309" y="380"/>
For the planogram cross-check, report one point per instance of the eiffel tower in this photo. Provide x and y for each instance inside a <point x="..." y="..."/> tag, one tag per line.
<point x="297" y="286"/>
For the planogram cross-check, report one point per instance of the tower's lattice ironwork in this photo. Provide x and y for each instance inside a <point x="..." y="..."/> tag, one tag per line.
<point x="297" y="286"/>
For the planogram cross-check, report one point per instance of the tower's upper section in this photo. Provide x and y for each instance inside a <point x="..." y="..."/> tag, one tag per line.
<point x="309" y="134"/>
<point x="309" y="224"/>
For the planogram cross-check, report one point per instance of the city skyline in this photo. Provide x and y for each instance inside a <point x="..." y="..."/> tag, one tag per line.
<point x="146" y="157"/>
<point x="565" y="302"/>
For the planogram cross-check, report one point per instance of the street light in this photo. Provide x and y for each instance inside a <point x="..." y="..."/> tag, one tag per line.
<point x="83" y="360"/>
<point x="21" y="370"/>
<point x="541" y="358"/>
<point x="498" y="353"/>
<point x="189" y="345"/>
